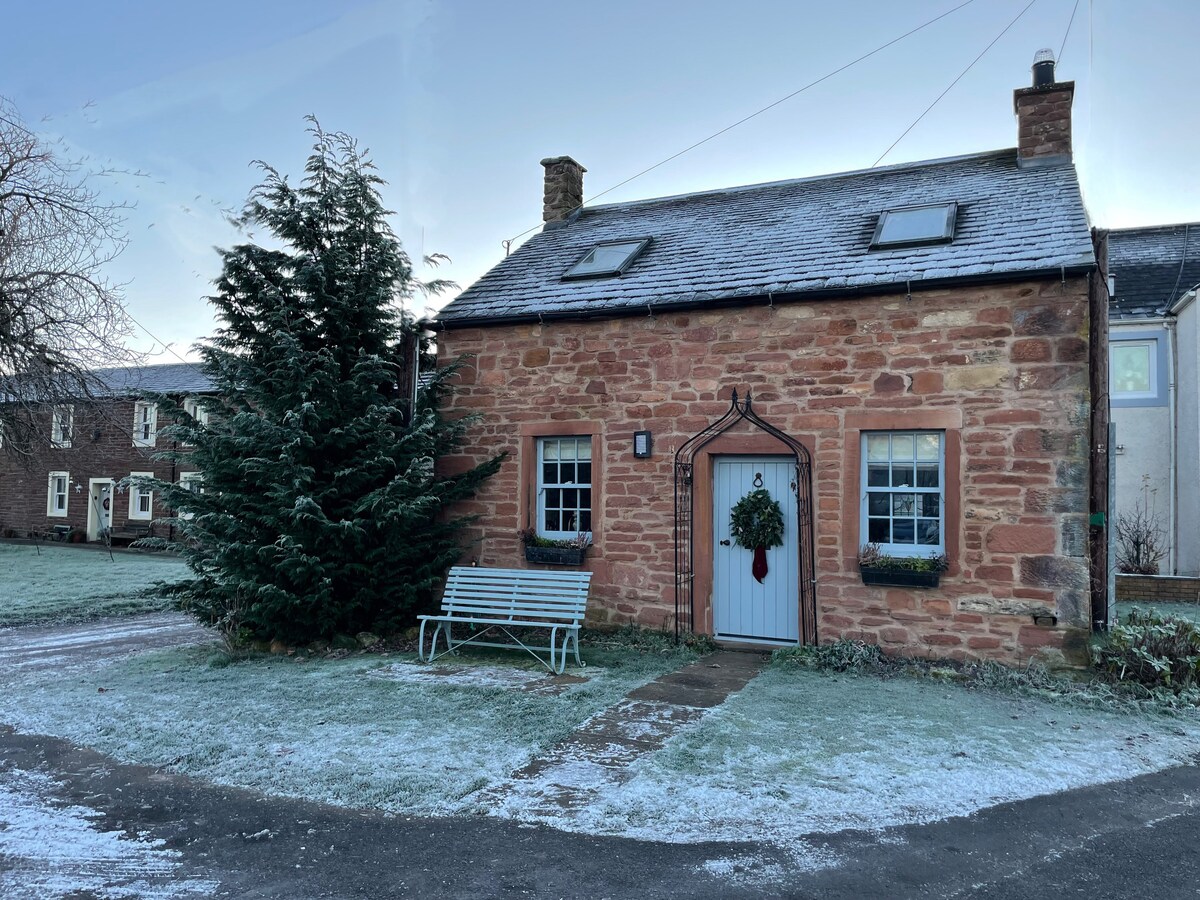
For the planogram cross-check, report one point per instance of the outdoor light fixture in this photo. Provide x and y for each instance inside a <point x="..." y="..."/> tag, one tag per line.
<point x="642" y="444"/>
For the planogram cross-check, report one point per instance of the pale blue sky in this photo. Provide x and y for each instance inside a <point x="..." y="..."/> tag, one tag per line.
<point x="459" y="100"/>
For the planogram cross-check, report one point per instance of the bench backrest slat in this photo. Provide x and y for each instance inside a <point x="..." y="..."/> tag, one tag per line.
<point x="516" y="594"/>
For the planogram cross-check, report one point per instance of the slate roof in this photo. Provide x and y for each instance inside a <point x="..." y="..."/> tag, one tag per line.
<point x="1154" y="267"/>
<point x="129" y="381"/>
<point x="808" y="236"/>
<point x="163" y="378"/>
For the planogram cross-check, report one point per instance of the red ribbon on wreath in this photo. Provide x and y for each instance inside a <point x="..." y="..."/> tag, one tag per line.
<point x="759" y="567"/>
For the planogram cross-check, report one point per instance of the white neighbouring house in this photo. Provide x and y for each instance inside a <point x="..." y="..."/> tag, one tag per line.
<point x="1154" y="335"/>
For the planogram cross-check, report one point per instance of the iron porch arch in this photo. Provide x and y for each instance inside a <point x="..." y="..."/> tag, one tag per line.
<point x="685" y="573"/>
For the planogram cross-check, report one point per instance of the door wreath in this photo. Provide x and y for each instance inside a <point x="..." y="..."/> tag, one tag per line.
<point x="756" y="523"/>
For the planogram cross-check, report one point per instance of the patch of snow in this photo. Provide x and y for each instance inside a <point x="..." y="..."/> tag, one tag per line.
<point x="51" y="851"/>
<point x="758" y="869"/>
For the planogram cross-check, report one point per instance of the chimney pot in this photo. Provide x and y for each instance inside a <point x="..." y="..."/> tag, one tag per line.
<point x="563" y="192"/>
<point x="1043" y="68"/>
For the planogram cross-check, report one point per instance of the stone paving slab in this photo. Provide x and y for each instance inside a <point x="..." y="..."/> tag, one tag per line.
<point x="599" y="754"/>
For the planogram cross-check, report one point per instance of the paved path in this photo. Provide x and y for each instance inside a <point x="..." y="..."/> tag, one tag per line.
<point x="598" y="755"/>
<point x="1139" y="838"/>
<point x="60" y="647"/>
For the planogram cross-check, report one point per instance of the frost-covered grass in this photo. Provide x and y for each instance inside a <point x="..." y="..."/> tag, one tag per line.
<point x="1189" y="611"/>
<point x="64" y="584"/>
<point x="797" y="752"/>
<point x="323" y="729"/>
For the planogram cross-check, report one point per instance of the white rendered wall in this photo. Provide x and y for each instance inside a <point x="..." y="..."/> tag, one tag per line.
<point x="1143" y="453"/>
<point x="1188" y="431"/>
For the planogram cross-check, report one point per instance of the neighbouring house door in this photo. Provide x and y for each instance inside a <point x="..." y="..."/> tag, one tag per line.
<point x="100" y="503"/>
<point x="744" y="609"/>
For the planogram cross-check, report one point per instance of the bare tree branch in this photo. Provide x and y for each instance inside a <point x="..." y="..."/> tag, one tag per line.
<point x="60" y="316"/>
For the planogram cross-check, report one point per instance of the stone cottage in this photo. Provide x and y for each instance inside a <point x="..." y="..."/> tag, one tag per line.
<point x="901" y="357"/>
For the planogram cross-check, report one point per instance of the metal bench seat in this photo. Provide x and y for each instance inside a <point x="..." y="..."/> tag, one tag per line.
<point x="503" y="599"/>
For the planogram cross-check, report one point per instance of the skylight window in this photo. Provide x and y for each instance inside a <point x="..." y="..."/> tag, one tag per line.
<point x="609" y="258"/>
<point x="911" y="226"/>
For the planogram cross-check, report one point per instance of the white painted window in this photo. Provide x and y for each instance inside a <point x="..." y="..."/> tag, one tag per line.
<point x="195" y="408"/>
<point x="62" y="426"/>
<point x="58" y="494"/>
<point x="194" y="482"/>
<point x="564" y="487"/>
<point x="141" y="498"/>
<point x="145" y="424"/>
<point x="903" y="500"/>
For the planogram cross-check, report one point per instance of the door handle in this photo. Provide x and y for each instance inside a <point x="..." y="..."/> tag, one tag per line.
<point x="725" y="543"/>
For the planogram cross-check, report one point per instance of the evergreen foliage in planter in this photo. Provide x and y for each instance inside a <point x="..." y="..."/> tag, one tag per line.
<point x="877" y="568"/>
<point x="554" y="552"/>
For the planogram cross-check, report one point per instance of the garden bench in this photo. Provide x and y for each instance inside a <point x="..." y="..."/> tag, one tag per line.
<point x="131" y="533"/>
<point x="487" y="600"/>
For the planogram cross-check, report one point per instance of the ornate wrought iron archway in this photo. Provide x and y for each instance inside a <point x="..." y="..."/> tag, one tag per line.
<point x="685" y="550"/>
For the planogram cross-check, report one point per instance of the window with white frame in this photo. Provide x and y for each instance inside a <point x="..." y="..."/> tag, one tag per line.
<point x="58" y="494"/>
<point x="62" y="426"/>
<point x="194" y="482"/>
<point x="194" y="408"/>
<point x="141" y="498"/>
<point x="145" y="423"/>
<point x="903" y="502"/>
<point x="1135" y="370"/>
<point x="564" y="487"/>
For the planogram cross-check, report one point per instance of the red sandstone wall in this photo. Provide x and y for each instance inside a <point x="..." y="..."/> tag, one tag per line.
<point x="102" y="448"/>
<point x="1003" y="369"/>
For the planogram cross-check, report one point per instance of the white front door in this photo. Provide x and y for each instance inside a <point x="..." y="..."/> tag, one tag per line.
<point x="100" y="501"/>
<point x="743" y="609"/>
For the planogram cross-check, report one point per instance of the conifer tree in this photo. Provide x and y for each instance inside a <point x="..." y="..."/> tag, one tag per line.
<point x="321" y="510"/>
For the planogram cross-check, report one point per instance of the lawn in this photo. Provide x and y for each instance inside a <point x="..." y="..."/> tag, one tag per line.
<point x="62" y="584"/>
<point x="344" y="731"/>
<point x="799" y="752"/>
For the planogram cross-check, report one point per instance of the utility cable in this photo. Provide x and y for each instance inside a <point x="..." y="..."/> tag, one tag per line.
<point x="950" y="86"/>
<point x="1070" y="22"/>
<point x="1182" y="262"/>
<point x="759" y="112"/>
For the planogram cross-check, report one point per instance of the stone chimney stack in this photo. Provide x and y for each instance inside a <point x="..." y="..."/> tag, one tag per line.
<point x="1044" y="116"/>
<point x="564" y="189"/>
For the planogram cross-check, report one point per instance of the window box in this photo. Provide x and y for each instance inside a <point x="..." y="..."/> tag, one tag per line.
<point x="900" y="578"/>
<point x="555" y="556"/>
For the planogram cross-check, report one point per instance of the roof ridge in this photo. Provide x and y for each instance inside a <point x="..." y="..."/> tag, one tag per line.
<point x="1147" y="228"/>
<point x="829" y="176"/>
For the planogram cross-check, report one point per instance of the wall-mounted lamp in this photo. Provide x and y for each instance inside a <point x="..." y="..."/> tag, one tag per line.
<point x="643" y="444"/>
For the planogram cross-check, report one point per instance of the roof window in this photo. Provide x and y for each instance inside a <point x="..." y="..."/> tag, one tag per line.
<point x="911" y="226"/>
<point x="608" y="258"/>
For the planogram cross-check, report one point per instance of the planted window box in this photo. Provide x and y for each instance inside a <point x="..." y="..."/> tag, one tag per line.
<point x="879" y="568"/>
<point x="548" y="551"/>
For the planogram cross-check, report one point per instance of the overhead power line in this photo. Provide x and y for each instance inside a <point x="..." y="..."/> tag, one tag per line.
<point x="1067" y="34"/>
<point x="951" y="85"/>
<point x="759" y="112"/>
